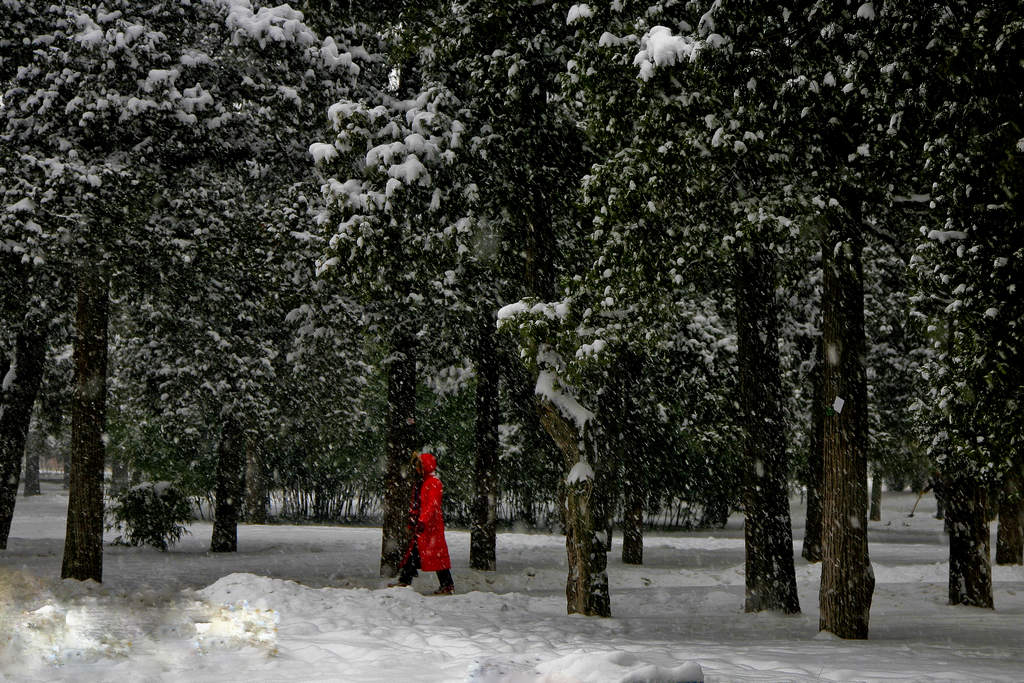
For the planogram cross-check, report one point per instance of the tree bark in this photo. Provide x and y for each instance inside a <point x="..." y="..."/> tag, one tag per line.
<point x="815" y="461"/>
<point x="483" y="532"/>
<point x="623" y="436"/>
<point x="119" y="476"/>
<point x="847" y="580"/>
<point x="83" y="544"/>
<point x="230" y="487"/>
<point x="31" y="478"/>
<point x="876" y="498"/>
<point x="398" y="479"/>
<point x="768" y="532"/>
<point x="1010" y="533"/>
<point x="23" y="374"/>
<point x="255" y="485"/>
<point x="633" y="525"/>
<point x="586" y="588"/>
<point x="970" y="565"/>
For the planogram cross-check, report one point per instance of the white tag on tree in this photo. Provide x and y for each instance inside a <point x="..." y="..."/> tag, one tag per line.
<point x="837" y="405"/>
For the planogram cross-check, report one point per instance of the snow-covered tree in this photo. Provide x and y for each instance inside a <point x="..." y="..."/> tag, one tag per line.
<point x="503" y="60"/>
<point x="397" y="218"/>
<point x="120" y="106"/>
<point x="694" y="175"/>
<point x="969" y="262"/>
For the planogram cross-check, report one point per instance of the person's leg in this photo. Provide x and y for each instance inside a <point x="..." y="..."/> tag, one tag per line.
<point x="444" y="578"/>
<point x="408" y="570"/>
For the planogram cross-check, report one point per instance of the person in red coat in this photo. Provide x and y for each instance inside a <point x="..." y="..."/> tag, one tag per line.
<point x="428" y="549"/>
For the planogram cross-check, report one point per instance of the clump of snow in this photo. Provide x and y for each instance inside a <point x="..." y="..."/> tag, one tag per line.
<point x="10" y="376"/>
<point x="322" y="151"/>
<point x="592" y="349"/>
<point x="512" y="310"/>
<point x="25" y="205"/>
<point x="577" y="12"/>
<point x="866" y="11"/>
<point x="410" y="171"/>
<point x="946" y="235"/>
<point x="580" y="472"/>
<point x="280" y="24"/>
<point x="659" y="47"/>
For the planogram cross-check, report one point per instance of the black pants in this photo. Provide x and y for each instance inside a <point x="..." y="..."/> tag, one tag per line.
<point x="409" y="570"/>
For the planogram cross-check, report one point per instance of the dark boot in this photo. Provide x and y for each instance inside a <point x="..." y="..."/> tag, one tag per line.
<point x="444" y="577"/>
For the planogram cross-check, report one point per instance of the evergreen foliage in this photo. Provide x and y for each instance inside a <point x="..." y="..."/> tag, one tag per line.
<point x="152" y="513"/>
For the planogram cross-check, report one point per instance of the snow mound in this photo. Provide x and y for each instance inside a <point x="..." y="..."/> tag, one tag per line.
<point x="623" y="667"/>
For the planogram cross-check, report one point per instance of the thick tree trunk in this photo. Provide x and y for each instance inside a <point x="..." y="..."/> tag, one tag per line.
<point x="770" y="574"/>
<point x="586" y="588"/>
<point x="876" y="498"/>
<point x="970" y="564"/>
<point x="1010" y="533"/>
<point x="398" y="479"/>
<point x="83" y="544"/>
<point x="815" y="461"/>
<point x="22" y="375"/>
<point x="483" y="536"/>
<point x="230" y="491"/>
<point x="847" y="580"/>
<point x="255" y="485"/>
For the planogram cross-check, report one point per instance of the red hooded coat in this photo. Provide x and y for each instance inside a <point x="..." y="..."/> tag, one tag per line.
<point x="432" y="546"/>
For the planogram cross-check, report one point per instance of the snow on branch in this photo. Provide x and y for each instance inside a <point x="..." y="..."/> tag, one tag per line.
<point x="566" y="403"/>
<point x="280" y="24"/>
<point x="577" y="12"/>
<point x="580" y="472"/>
<point x="660" y="48"/>
<point x="944" y="236"/>
<point x="553" y="311"/>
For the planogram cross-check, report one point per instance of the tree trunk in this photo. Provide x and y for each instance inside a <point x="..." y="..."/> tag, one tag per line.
<point x="876" y="497"/>
<point x="847" y="580"/>
<point x="622" y="436"/>
<point x="483" y="540"/>
<point x="815" y="461"/>
<point x="255" y="485"/>
<point x="1010" y="533"/>
<point x="35" y="447"/>
<point x="768" y="532"/>
<point x="22" y="374"/>
<point x="31" y="479"/>
<point x="633" y="525"/>
<point x="586" y="588"/>
<point x="398" y="480"/>
<point x="83" y="544"/>
<point x="119" y="476"/>
<point x="970" y="565"/>
<point x="230" y="487"/>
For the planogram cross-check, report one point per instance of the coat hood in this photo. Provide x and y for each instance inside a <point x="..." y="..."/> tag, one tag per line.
<point x="429" y="463"/>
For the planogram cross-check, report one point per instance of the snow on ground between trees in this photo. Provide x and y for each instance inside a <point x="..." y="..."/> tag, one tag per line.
<point x="306" y="602"/>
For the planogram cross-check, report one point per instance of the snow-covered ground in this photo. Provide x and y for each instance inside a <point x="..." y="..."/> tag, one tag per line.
<point x="305" y="603"/>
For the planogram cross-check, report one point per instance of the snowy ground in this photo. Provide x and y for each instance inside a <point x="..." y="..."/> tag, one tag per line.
<point x="306" y="604"/>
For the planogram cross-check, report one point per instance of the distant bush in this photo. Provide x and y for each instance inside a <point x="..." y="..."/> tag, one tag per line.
<point x="151" y="513"/>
